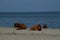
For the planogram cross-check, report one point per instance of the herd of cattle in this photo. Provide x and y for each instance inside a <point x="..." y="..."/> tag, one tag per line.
<point x="22" y="26"/>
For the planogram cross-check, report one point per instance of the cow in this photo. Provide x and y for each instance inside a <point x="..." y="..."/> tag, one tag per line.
<point x="20" y="26"/>
<point x="36" y="27"/>
<point x="45" y="26"/>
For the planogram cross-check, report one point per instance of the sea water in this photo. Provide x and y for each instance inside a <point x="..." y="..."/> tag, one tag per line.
<point x="52" y="19"/>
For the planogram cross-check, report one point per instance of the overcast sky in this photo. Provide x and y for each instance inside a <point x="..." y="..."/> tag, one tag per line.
<point x="29" y="5"/>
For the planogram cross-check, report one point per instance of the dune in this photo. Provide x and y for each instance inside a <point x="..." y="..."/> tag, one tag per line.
<point x="45" y="34"/>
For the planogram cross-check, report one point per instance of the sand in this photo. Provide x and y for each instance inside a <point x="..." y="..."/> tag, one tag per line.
<point x="45" y="34"/>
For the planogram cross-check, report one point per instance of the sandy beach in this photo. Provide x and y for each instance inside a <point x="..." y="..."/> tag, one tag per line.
<point x="45" y="34"/>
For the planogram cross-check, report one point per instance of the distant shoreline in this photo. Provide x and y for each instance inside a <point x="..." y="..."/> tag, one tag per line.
<point x="35" y="11"/>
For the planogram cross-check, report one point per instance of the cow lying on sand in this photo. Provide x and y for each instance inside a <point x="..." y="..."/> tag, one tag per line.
<point x="36" y="27"/>
<point x="20" y="26"/>
<point x="45" y="26"/>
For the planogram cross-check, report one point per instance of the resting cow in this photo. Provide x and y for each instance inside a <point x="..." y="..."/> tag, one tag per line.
<point x="20" y="26"/>
<point x="45" y="26"/>
<point x="36" y="27"/>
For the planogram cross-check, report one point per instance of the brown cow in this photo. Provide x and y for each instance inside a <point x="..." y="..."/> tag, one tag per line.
<point x="36" y="27"/>
<point x="45" y="26"/>
<point x="20" y="26"/>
